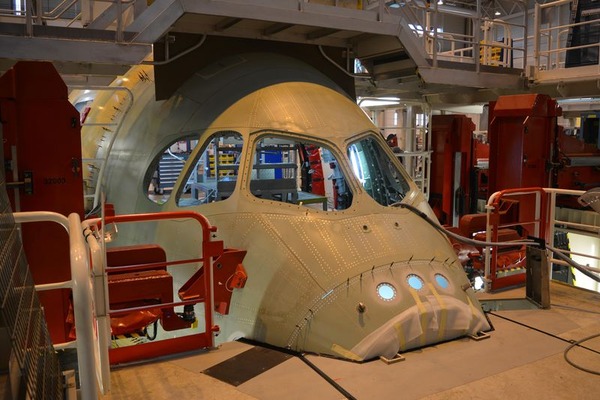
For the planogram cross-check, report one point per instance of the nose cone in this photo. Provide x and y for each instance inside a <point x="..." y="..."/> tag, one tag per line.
<point x="391" y="308"/>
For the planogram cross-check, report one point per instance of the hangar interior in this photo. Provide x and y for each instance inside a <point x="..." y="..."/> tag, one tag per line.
<point x="267" y="199"/>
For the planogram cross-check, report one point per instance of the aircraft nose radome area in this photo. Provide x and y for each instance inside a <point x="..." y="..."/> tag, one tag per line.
<point x="388" y="309"/>
<point x="436" y="319"/>
<point x="355" y="287"/>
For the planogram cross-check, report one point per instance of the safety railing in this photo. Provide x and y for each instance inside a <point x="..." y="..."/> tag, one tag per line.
<point x="418" y="164"/>
<point x="95" y="232"/>
<point x="530" y="217"/>
<point x="96" y="166"/>
<point x="91" y="300"/>
<point x="587" y="224"/>
<point x="80" y="284"/>
<point x="551" y="40"/>
<point x="489" y="43"/>
<point x="538" y="215"/>
<point x="66" y="13"/>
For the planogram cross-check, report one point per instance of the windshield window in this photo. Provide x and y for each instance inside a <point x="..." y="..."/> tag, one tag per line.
<point x="299" y="172"/>
<point x="165" y="169"/>
<point x="376" y="172"/>
<point x="215" y="172"/>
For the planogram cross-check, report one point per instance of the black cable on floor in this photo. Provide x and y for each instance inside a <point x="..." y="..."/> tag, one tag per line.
<point x="303" y="358"/>
<point x="571" y="343"/>
<point x="572" y="363"/>
<point x="327" y="378"/>
<point x="540" y="331"/>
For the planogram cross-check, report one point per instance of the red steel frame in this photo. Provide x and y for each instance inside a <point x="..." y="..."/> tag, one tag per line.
<point x="526" y="217"/>
<point x="210" y="250"/>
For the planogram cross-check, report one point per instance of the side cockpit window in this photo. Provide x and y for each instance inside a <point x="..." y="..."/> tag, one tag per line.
<point x="299" y="172"/>
<point x="379" y="176"/>
<point x="166" y="168"/>
<point x="214" y="174"/>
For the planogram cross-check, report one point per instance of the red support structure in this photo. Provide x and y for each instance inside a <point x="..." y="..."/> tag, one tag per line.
<point x="42" y="145"/>
<point x="529" y="220"/>
<point x="212" y="252"/>
<point x="521" y="135"/>
<point x="451" y="160"/>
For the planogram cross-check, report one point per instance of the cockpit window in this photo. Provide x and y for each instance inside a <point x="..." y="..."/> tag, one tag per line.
<point x="376" y="172"/>
<point x="165" y="170"/>
<point x="299" y="172"/>
<point x="215" y="171"/>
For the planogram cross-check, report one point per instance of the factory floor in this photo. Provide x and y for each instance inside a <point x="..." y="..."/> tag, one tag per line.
<point x="522" y="358"/>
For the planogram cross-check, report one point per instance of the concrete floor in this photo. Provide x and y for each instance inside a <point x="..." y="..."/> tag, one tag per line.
<point x="523" y="358"/>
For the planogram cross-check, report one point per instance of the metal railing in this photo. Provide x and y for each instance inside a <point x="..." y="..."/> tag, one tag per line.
<point x="532" y="220"/>
<point x="90" y="292"/>
<point x="551" y="37"/>
<point x="80" y="284"/>
<point x="489" y="43"/>
<point x="418" y="164"/>
<point x="66" y="13"/>
<point x="94" y="231"/>
<point x="96" y="167"/>
<point x="542" y="219"/>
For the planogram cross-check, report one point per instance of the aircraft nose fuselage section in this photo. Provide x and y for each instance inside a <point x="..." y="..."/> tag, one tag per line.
<point x="348" y="275"/>
<point x="355" y="287"/>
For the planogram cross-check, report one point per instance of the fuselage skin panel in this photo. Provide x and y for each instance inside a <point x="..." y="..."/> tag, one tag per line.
<point x="314" y="277"/>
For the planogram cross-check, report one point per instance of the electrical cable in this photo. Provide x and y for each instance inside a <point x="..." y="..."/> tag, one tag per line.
<point x="572" y="363"/>
<point x="573" y="308"/>
<point x="574" y="264"/>
<point x="440" y="228"/>
<point x="183" y="53"/>
<point x="152" y="337"/>
<point x="560" y="255"/>
<point x="326" y="377"/>
<point x="457" y="237"/>
<point x="356" y="76"/>
<point x="571" y="342"/>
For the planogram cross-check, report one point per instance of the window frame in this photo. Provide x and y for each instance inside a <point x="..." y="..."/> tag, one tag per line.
<point x="378" y="137"/>
<point x="332" y="147"/>
<point x="194" y="158"/>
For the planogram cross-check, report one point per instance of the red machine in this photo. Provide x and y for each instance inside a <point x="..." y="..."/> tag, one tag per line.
<point x="453" y="189"/>
<point x="138" y="277"/>
<point x="577" y="158"/>
<point x="521" y="133"/>
<point x="42" y="147"/>
<point x="141" y="290"/>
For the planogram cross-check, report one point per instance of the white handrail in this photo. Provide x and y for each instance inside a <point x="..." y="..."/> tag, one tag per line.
<point x="83" y="304"/>
<point x="83" y="307"/>
<point x="100" y="177"/>
<point x="555" y="48"/>
<point x="550" y="221"/>
<point x="41" y="216"/>
<point x="101" y="301"/>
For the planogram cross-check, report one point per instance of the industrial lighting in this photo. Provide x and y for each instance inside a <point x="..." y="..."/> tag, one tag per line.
<point x="378" y="101"/>
<point x="440" y="2"/>
<point x="497" y="13"/>
<point x="18" y="7"/>
<point x="479" y="283"/>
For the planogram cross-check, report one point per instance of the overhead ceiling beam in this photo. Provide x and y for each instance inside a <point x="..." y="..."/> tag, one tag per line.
<point x="321" y="33"/>
<point x="65" y="50"/>
<point x="276" y="28"/>
<point x="226" y="23"/>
